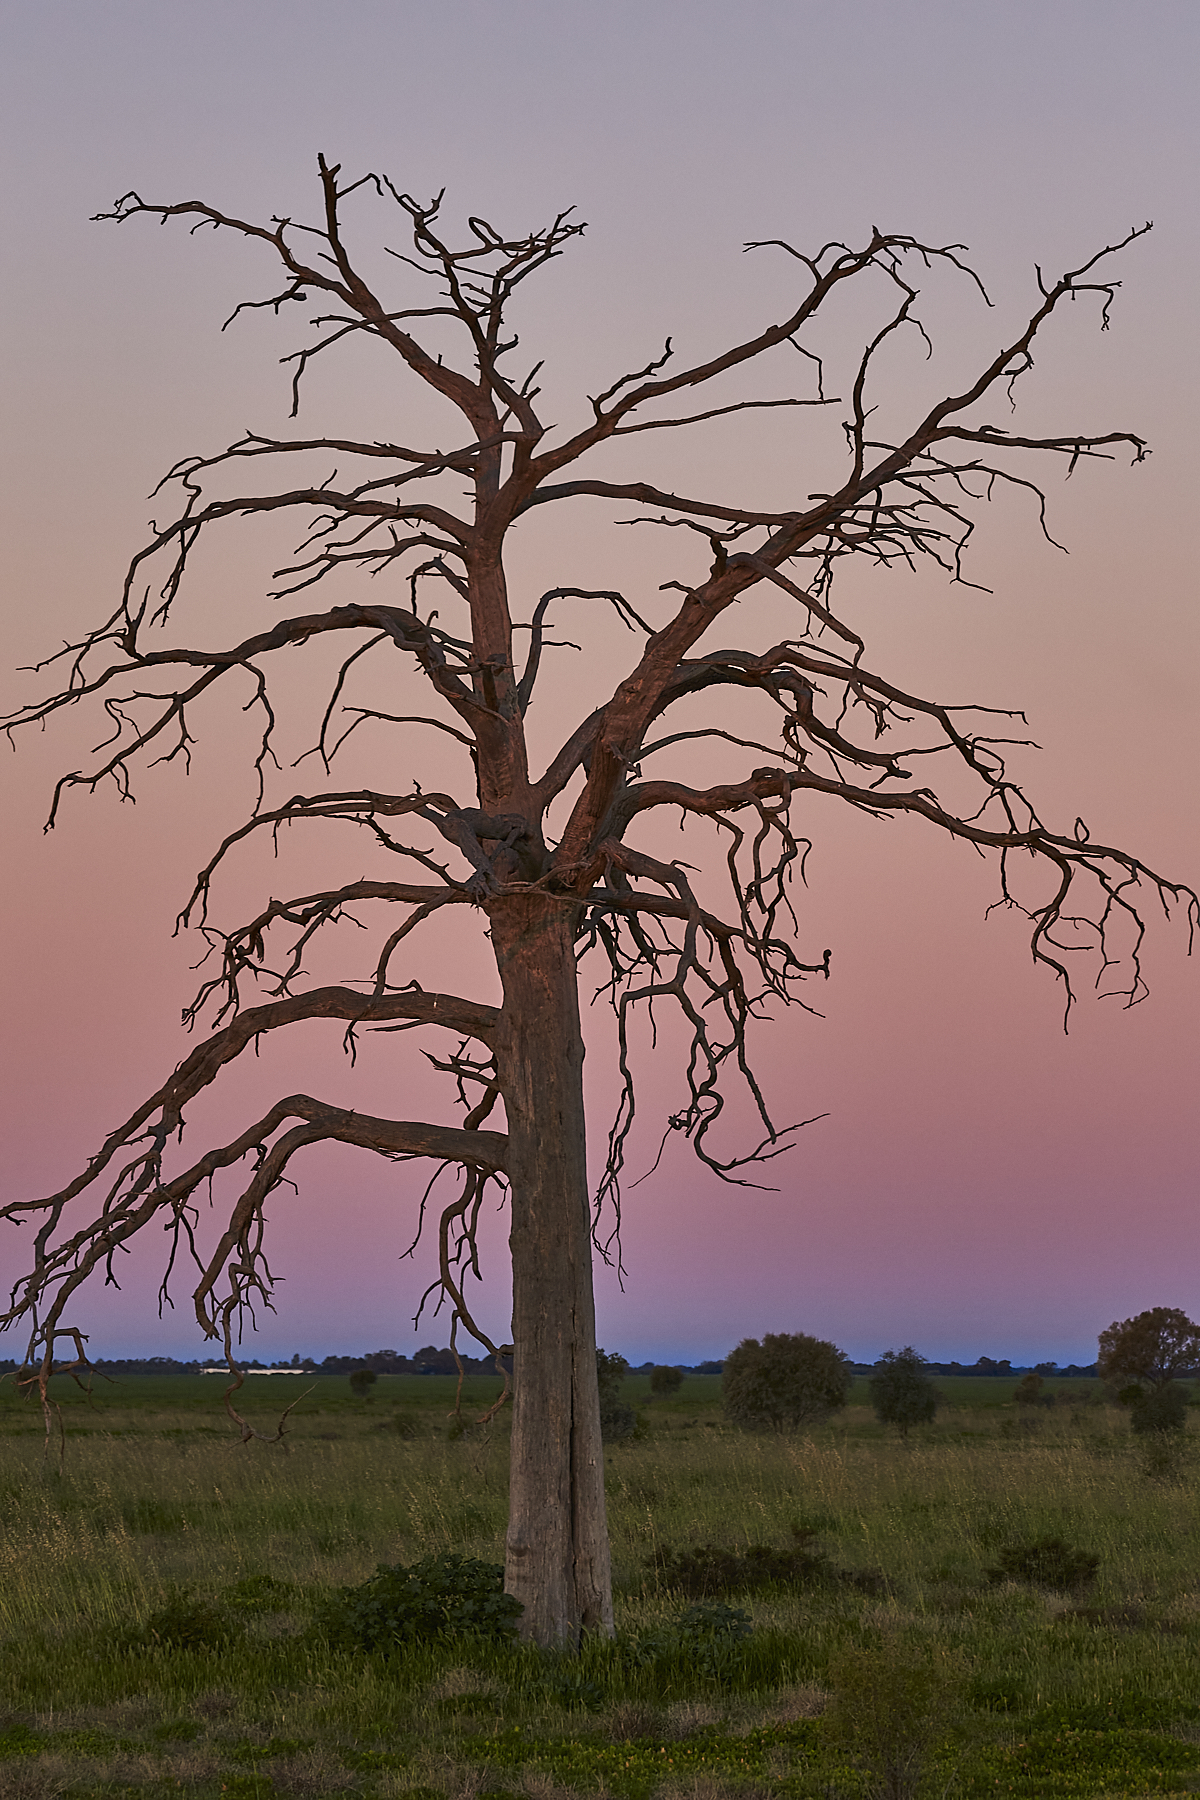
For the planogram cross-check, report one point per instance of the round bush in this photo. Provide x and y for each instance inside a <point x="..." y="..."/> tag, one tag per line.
<point x="787" y="1381"/>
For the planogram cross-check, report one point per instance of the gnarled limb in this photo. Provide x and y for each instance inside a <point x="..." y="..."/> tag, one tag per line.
<point x="139" y="1194"/>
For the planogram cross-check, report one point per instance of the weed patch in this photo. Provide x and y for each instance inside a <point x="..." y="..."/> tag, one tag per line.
<point x="1049" y="1764"/>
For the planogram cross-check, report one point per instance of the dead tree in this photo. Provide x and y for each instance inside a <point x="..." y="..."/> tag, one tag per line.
<point x="442" y="612"/>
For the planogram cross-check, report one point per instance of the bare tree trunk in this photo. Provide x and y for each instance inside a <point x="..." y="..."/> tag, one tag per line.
<point x="557" y="1561"/>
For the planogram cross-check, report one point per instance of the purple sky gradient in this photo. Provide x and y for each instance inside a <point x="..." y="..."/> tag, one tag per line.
<point x="981" y="1182"/>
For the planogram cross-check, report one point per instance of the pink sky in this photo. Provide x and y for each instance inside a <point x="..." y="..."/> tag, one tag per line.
<point x="981" y="1184"/>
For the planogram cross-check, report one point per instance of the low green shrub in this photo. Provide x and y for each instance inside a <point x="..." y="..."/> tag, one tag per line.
<point x="709" y="1570"/>
<point x="440" y="1596"/>
<point x="707" y="1637"/>
<point x="1048" y="1562"/>
<point x="187" y="1622"/>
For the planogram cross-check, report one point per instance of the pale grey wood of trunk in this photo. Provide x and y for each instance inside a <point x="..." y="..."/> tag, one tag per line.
<point x="557" y="1558"/>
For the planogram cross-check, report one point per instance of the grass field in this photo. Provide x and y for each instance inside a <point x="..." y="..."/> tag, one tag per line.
<point x="160" y="1516"/>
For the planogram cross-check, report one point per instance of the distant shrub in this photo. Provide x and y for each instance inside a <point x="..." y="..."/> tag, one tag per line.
<point x="617" y="1420"/>
<point x="1158" y="1409"/>
<point x="1048" y="1562"/>
<point x="1030" y="1391"/>
<point x="788" y="1380"/>
<point x="440" y="1596"/>
<point x="665" y="1381"/>
<point x="902" y="1391"/>
<point x="361" y="1383"/>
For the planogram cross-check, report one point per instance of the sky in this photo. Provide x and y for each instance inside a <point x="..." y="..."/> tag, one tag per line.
<point x="979" y="1183"/>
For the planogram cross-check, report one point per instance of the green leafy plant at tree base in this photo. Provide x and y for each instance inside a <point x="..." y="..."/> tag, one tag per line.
<point x="439" y="1596"/>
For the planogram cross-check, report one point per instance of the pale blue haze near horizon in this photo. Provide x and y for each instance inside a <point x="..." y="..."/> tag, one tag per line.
<point x="980" y="1183"/>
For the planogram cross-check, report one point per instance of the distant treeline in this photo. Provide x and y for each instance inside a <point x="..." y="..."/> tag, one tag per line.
<point x="431" y="1361"/>
<point x="986" y="1366"/>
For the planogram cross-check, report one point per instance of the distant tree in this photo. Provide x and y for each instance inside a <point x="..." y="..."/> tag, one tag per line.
<point x="665" y="1381"/>
<point x="361" y="1383"/>
<point x="1030" y="1391"/>
<point x="788" y="1380"/>
<point x="617" y="1418"/>
<point x="611" y="1370"/>
<point x="1153" y="1349"/>
<point x="987" y="1366"/>
<point x="902" y="1392"/>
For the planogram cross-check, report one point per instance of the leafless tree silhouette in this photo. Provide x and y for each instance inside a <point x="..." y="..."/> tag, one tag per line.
<point x="835" y="727"/>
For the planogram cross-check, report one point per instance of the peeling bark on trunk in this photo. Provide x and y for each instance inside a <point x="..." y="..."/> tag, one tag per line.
<point x="557" y="1560"/>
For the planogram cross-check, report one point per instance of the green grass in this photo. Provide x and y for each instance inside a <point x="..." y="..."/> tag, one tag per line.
<point x="159" y="1509"/>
